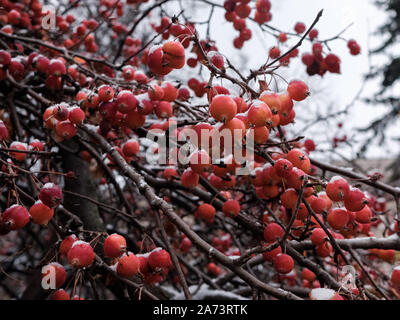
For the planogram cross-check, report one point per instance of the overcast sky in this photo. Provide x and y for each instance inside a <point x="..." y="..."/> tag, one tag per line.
<point x="335" y="92"/>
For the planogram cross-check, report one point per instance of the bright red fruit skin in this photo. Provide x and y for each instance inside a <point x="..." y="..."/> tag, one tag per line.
<point x="128" y="265"/>
<point x="80" y="255"/>
<point x="51" y="195"/>
<point x="159" y="258"/>
<point x="114" y="245"/>
<point x="16" y="217"/>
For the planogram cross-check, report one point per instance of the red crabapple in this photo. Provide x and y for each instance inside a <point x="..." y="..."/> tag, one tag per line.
<point x="200" y="161"/>
<point x="155" y="93"/>
<point x="76" y="115"/>
<point x="60" y="294"/>
<point x="3" y="131"/>
<point x="261" y="134"/>
<point x="41" y="63"/>
<point x="289" y="198"/>
<point x="5" y="58"/>
<point x="36" y="145"/>
<point x="309" y="145"/>
<point x="185" y="244"/>
<point x="283" y="168"/>
<point x="59" y="272"/>
<point x="338" y="218"/>
<point x="274" y="52"/>
<point x="170" y="172"/>
<point x="272" y="232"/>
<point x="300" y="27"/>
<point x="206" y="212"/>
<point x="170" y="91"/>
<point x="128" y="73"/>
<point x="65" y="129"/>
<point x="243" y="10"/>
<point x="308" y="275"/>
<point x="296" y="178"/>
<point x="56" y="68"/>
<point x="259" y="114"/>
<point x="163" y="110"/>
<point x="183" y="94"/>
<point x="313" y="34"/>
<point x="14" y="17"/>
<point x="61" y="111"/>
<point x="364" y="215"/>
<point x="270" y="255"/>
<point x="174" y="54"/>
<point x="189" y="178"/>
<point x="216" y="59"/>
<point x="323" y="250"/>
<point x="105" y="93"/>
<point x="19" y="156"/>
<point x="155" y="61"/>
<point x="354" y="47"/>
<point x="282" y="37"/>
<point x="318" y="236"/>
<point x="395" y="277"/>
<point x="263" y="6"/>
<point x="131" y="148"/>
<point x="337" y="189"/>
<point x="318" y="204"/>
<point x="67" y="243"/>
<point x="332" y="63"/>
<point x="134" y="119"/>
<point x="355" y="200"/>
<point x="272" y="100"/>
<point x="231" y="208"/>
<point x="126" y="102"/>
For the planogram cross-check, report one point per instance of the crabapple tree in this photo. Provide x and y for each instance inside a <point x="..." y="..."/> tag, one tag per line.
<point x="139" y="162"/>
